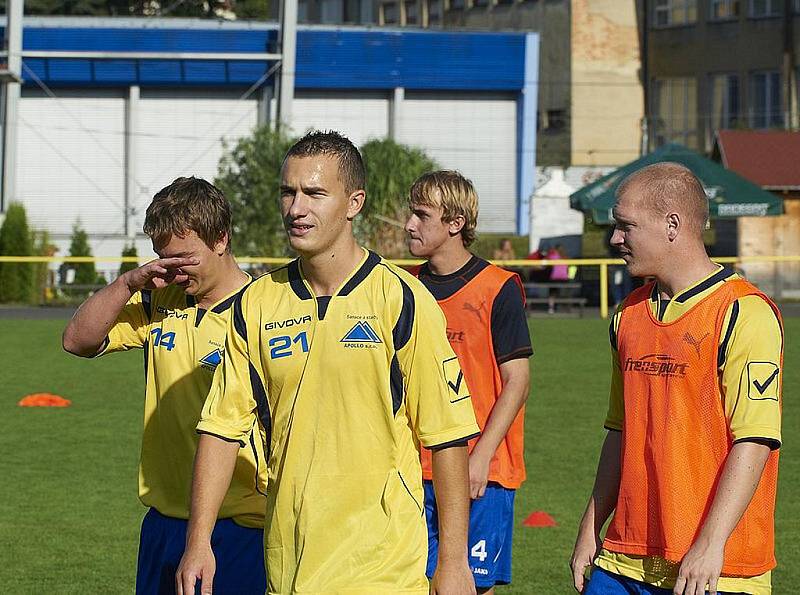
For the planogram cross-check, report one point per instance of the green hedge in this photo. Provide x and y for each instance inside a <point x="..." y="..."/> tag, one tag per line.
<point x="16" y="279"/>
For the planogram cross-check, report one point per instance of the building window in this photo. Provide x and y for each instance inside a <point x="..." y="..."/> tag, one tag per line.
<point x="389" y="14"/>
<point x="725" y="111"/>
<point x="765" y="8"/>
<point x="412" y="13"/>
<point x="675" y="111"/>
<point x="302" y="11"/>
<point x="552" y="121"/>
<point x="724" y="9"/>
<point x="796" y="6"/>
<point x="456" y="4"/>
<point x="765" y="100"/>
<point x="674" y="12"/>
<point x="480" y="3"/>
<point x="331" y="12"/>
<point x="434" y="13"/>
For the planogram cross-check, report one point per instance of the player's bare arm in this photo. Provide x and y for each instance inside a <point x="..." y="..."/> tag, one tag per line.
<point x="86" y="332"/>
<point x="702" y="564"/>
<point x="601" y="505"/>
<point x="515" y="375"/>
<point x="213" y="469"/>
<point x="450" y="482"/>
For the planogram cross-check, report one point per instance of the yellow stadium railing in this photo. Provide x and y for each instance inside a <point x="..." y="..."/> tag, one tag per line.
<point x="602" y="263"/>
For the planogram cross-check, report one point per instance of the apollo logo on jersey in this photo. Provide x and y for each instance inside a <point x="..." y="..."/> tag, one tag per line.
<point x="211" y="360"/>
<point x="361" y="335"/>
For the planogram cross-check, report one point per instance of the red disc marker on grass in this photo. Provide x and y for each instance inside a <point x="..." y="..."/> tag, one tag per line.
<point x="44" y="400"/>
<point x="539" y="518"/>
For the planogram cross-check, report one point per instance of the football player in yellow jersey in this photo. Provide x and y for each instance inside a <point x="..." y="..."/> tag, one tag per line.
<point x="176" y="309"/>
<point x="344" y="360"/>
<point x="689" y="464"/>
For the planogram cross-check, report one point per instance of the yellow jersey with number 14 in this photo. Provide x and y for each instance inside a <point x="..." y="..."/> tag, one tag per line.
<point x="183" y="345"/>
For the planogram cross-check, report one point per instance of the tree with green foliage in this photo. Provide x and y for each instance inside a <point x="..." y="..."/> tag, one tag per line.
<point x="85" y="273"/>
<point x="128" y="251"/>
<point x="249" y="175"/>
<point x="16" y="279"/>
<point x="68" y="7"/>
<point x="391" y="169"/>
<point x="253" y="9"/>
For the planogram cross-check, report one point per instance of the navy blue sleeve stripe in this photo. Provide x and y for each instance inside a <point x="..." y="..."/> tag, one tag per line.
<point x="227" y="303"/>
<point x="401" y="334"/>
<point x="721" y="275"/>
<point x="296" y="281"/>
<point x="723" y="346"/>
<point x="457" y="442"/>
<point x="612" y="334"/>
<point x="146" y="360"/>
<point x="372" y="261"/>
<point x="262" y="404"/>
<point x="396" y="384"/>
<point x="405" y="485"/>
<point x="224" y="305"/>
<point x="238" y="317"/>
<point x="239" y="442"/>
<point x="147" y="303"/>
<point x="770" y="442"/>
<point x="521" y="353"/>
<point x="255" y="458"/>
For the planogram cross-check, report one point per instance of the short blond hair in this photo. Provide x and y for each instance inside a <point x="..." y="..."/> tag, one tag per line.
<point x="453" y="193"/>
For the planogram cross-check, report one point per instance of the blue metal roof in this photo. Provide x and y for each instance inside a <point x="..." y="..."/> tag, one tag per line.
<point x="333" y="58"/>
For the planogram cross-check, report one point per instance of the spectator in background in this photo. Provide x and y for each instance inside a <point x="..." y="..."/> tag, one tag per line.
<point x="559" y="273"/>
<point x="505" y="251"/>
<point x="538" y="273"/>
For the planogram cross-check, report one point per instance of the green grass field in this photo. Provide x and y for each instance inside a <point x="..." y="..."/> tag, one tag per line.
<point x="69" y="516"/>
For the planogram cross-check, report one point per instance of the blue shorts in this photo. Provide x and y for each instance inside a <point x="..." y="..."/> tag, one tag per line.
<point x="239" y="553"/>
<point x="491" y="526"/>
<point x="603" y="582"/>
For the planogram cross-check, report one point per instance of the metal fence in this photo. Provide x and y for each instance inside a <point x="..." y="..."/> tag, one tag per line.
<point x="778" y="276"/>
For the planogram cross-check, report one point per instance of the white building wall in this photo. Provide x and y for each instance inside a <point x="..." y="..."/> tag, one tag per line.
<point x="360" y="116"/>
<point x="72" y="148"/>
<point x="475" y="133"/>
<point x="181" y="133"/>
<point x="70" y="162"/>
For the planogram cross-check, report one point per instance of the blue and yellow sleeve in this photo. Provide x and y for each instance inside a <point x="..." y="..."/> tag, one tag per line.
<point x="616" y="404"/>
<point x="230" y="408"/>
<point x="130" y="330"/>
<point x="750" y="360"/>
<point x="437" y="397"/>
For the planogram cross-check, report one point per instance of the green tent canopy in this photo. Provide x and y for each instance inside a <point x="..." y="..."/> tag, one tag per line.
<point x="729" y="194"/>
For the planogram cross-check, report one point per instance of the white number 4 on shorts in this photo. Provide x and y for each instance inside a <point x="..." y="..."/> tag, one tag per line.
<point x="479" y="550"/>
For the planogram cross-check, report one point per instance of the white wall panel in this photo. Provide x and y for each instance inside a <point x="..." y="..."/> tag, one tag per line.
<point x="70" y="162"/>
<point x="360" y="116"/>
<point x="179" y="133"/>
<point x="475" y="134"/>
